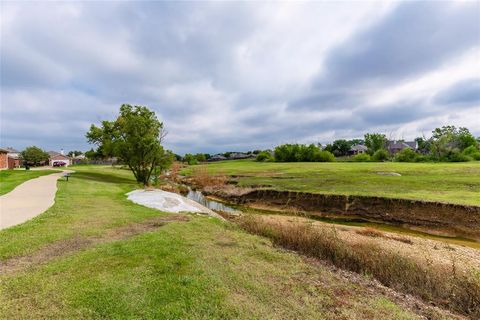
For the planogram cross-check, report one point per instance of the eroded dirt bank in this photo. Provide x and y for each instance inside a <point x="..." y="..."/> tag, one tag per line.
<point x="433" y="217"/>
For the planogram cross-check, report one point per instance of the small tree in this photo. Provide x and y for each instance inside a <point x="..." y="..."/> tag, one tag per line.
<point x="34" y="156"/>
<point x="135" y="137"/>
<point x="340" y="147"/>
<point x="264" y="156"/>
<point x="190" y="159"/>
<point x="375" y="141"/>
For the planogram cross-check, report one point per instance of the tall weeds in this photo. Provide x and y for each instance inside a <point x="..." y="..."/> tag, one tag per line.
<point x="445" y="287"/>
<point x="202" y="178"/>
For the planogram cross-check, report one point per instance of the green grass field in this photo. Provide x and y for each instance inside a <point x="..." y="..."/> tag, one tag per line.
<point x="447" y="182"/>
<point x="9" y="179"/>
<point x="197" y="269"/>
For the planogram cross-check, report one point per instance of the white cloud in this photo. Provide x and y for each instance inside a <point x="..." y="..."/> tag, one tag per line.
<point x="226" y="76"/>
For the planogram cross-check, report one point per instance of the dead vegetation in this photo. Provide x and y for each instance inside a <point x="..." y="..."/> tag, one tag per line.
<point x="451" y="288"/>
<point x="202" y="178"/>
<point x="370" y="232"/>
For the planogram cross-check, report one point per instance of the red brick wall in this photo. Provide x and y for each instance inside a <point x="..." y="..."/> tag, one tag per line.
<point x="3" y="160"/>
<point x="13" y="163"/>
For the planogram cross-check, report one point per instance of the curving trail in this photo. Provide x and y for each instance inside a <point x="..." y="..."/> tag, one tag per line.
<point x="28" y="200"/>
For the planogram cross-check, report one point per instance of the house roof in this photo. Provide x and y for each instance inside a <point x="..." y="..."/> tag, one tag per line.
<point x="53" y="154"/>
<point x="401" y="144"/>
<point x="11" y="150"/>
<point x="218" y="157"/>
<point x="3" y="150"/>
<point x="359" y="147"/>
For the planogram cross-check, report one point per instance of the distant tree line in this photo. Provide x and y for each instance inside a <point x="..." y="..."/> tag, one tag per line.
<point x="447" y="143"/>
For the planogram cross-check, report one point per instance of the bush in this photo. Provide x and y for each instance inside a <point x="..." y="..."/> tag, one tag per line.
<point x="475" y="156"/>
<point x="361" y="157"/>
<point x="457" y="157"/>
<point x="264" y="156"/>
<point x="324" y="156"/>
<point x="406" y="155"/>
<point x="423" y="158"/>
<point x="190" y="159"/>
<point x="301" y="153"/>
<point x="380" y="155"/>
<point x="472" y="152"/>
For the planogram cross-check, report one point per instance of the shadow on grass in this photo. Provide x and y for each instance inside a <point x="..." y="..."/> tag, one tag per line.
<point x="102" y="177"/>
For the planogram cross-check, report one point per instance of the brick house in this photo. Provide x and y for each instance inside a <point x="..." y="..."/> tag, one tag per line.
<point x="14" y="160"/>
<point x="3" y="159"/>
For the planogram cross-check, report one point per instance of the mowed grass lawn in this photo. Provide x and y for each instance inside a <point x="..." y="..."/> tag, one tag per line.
<point x="9" y="179"/>
<point x="197" y="269"/>
<point x="447" y="182"/>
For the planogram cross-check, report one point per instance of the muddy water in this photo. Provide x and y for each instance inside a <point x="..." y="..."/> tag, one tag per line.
<point x="197" y="196"/>
<point x="236" y="209"/>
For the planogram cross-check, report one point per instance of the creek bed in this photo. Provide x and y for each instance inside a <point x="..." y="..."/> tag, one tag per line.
<point x="236" y="209"/>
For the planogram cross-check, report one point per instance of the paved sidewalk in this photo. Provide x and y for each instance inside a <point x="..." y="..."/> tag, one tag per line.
<point x="28" y="200"/>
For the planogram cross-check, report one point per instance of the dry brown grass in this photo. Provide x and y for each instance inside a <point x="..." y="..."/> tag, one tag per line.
<point x="174" y="170"/>
<point x="202" y="178"/>
<point x="369" y="232"/>
<point x="401" y="239"/>
<point x="445" y="287"/>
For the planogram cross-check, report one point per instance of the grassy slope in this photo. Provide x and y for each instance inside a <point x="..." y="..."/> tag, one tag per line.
<point x="449" y="182"/>
<point x="202" y="269"/>
<point x="9" y="179"/>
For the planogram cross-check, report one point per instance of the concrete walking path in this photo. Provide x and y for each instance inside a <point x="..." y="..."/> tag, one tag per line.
<point x="28" y="199"/>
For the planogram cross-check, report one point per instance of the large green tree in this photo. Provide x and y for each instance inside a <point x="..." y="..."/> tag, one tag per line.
<point x="375" y="142"/>
<point x="135" y="137"/>
<point x="34" y="156"/>
<point x="449" y="140"/>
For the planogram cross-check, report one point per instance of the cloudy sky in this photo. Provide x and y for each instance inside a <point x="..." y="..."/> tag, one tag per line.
<point x="238" y="75"/>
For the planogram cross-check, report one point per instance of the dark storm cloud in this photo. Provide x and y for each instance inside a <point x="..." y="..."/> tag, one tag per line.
<point x="415" y="37"/>
<point x="326" y="101"/>
<point x="465" y="93"/>
<point x="397" y="113"/>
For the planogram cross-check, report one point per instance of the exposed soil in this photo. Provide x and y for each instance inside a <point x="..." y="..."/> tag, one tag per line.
<point x="63" y="247"/>
<point x="432" y="217"/>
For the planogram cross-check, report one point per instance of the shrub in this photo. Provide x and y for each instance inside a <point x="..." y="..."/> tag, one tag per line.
<point x="472" y="152"/>
<point x="264" y="156"/>
<point x="423" y="158"/>
<point x="455" y="156"/>
<point x="406" y="155"/>
<point x="380" y="155"/>
<point x="361" y="157"/>
<point x="324" y="156"/>
<point x="190" y="159"/>
<point x="475" y="156"/>
<point x="301" y="153"/>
